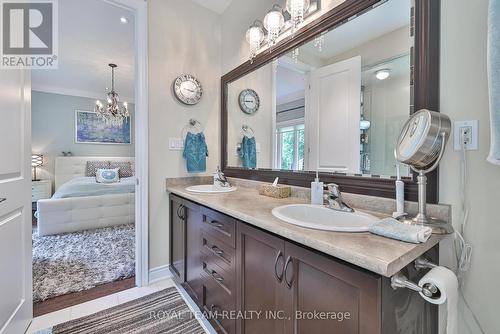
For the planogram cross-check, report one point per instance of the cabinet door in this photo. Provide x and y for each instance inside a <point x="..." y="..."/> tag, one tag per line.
<point x="326" y="296"/>
<point x="177" y="238"/>
<point x="193" y="262"/>
<point x="260" y="263"/>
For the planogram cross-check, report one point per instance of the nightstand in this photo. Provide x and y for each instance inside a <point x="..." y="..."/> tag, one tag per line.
<point x="41" y="190"/>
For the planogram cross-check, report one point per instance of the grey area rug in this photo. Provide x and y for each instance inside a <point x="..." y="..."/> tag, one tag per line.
<point x="78" y="261"/>
<point x="161" y="312"/>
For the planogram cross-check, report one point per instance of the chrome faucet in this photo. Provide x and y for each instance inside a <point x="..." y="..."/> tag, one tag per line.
<point x="333" y="199"/>
<point x="220" y="179"/>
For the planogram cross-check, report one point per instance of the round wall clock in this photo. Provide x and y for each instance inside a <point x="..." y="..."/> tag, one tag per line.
<point x="249" y="101"/>
<point x="187" y="89"/>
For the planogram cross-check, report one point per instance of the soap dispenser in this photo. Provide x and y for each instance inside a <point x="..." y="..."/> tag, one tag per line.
<point x="317" y="191"/>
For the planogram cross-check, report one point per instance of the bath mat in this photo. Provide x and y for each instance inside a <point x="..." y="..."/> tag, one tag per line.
<point x="161" y="312"/>
<point x="78" y="261"/>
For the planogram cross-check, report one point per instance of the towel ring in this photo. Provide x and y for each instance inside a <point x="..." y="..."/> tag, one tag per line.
<point x="193" y="124"/>
<point x="246" y="129"/>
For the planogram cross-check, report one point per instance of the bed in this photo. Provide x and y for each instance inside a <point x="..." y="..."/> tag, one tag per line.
<point x="79" y="203"/>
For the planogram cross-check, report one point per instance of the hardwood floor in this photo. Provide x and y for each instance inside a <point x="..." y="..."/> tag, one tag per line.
<point x="61" y="302"/>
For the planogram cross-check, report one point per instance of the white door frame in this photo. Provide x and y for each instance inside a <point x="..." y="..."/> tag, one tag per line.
<point x="140" y="10"/>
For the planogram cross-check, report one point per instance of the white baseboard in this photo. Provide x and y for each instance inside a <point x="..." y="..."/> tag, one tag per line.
<point x="159" y="273"/>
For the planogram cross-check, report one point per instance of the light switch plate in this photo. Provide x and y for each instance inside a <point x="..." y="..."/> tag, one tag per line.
<point x="472" y="128"/>
<point x="175" y="144"/>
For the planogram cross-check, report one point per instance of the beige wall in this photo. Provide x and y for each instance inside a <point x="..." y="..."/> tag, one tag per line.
<point x="464" y="96"/>
<point x="183" y="38"/>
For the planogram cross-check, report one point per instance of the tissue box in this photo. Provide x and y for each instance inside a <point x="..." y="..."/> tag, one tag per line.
<point x="280" y="191"/>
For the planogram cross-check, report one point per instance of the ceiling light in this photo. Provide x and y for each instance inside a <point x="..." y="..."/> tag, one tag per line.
<point x="274" y="21"/>
<point x="297" y="10"/>
<point x="112" y="113"/>
<point x="383" y="74"/>
<point x="255" y="36"/>
<point x="123" y="19"/>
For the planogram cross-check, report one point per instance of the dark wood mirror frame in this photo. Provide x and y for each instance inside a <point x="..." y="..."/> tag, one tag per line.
<point x="425" y="76"/>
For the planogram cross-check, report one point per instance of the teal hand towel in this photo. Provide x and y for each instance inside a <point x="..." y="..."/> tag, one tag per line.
<point x="391" y="228"/>
<point x="195" y="152"/>
<point x="248" y="152"/>
<point x="494" y="79"/>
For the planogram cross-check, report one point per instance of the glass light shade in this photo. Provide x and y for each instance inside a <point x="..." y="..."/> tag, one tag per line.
<point x="255" y="36"/>
<point x="36" y="160"/>
<point x="297" y="10"/>
<point x="274" y="21"/>
<point x="382" y="74"/>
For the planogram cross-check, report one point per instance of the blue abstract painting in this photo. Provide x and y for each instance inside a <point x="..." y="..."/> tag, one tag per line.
<point x="91" y="129"/>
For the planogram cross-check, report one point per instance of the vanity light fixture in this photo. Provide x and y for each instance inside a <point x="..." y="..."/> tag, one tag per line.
<point x="274" y="21"/>
<point x="255" y="36"/>
<point x="297" y="10"/>
<point x="112" y="113"/>
<point x="383" y="74"/>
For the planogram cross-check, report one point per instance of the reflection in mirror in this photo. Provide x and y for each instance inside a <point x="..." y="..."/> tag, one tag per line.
<point x="335" y="104"/>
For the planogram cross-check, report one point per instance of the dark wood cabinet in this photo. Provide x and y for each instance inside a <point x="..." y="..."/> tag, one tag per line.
<point x="250" y="281"/>
<point x="260" y="278"/>
<point x="324" y="296"/>
<point x="177" y="238"/>
<point x="296" y="290"/>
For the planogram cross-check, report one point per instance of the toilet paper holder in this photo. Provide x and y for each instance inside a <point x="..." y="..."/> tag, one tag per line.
<point x="429" y="290"/>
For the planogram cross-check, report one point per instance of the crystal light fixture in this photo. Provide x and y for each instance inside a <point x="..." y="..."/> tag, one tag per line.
<point x="255" y="36"/>
<point x="297" y="10"/>
<point x="274" y="21"/>
<point x="113" y="114"/>
<point x="319" y="41"/>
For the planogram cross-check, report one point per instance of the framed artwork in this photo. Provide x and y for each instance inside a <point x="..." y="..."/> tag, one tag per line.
<point x="90" y="129"/>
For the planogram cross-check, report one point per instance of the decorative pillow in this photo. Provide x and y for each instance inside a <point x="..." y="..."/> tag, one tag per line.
<point x="124" y="166"/>
<point x="108" y="175"/>
<point x="93" y="166"/>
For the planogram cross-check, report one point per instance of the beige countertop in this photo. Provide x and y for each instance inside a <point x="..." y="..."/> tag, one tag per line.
<point x="380" y="255"/>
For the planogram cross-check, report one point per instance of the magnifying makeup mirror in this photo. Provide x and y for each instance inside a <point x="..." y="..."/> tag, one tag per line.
<point x="421" y="145"/>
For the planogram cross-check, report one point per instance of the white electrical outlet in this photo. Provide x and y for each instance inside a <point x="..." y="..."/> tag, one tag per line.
<point x="466" y="131"/>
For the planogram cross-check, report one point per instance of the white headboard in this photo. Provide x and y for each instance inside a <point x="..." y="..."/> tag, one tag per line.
<point x="67" y="168"/>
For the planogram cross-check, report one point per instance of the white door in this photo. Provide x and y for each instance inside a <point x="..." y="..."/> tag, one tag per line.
<point x="333" y="121"/>
<point x="16" y="300"/>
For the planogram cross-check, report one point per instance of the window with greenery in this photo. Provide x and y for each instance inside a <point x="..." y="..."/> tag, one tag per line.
<point x="290" y="142"/>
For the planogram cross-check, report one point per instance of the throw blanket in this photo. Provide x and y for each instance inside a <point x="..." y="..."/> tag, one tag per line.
<point x="87" y="186"/>
<point x="494" y="79"/>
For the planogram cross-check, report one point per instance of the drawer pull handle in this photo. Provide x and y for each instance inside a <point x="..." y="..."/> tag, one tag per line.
<point x="215" y="223"/>
<point x="279" y="277"/>
<point x="3" y="200"/>
<point x="289" y="283"/>
<point x="216" y="276"/>
<point x="217" y="250"/>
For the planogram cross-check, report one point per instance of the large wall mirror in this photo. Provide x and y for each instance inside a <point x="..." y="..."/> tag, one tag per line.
<point x="333" y="101"/>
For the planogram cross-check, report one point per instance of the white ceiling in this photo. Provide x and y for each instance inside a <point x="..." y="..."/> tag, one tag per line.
<point x="91" y="36"/>
<point x="377" y="22"/>
<point x="218" y="6"/>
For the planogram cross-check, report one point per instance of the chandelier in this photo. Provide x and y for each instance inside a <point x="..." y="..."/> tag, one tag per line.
<point x="274" y="22"/>
<point x="113" y="114"/>
<point x="255" y="36"/>
<point x="297" y="9"/>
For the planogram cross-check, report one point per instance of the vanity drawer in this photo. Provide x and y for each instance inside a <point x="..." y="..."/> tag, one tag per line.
<point x="219" y="276"/>
<point x="220" y="225"/>
<point x="217" y="251"/>
<point x="218" y="304"/>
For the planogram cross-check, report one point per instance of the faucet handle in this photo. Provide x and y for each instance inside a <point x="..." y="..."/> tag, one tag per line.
<point x="333" y="189"/>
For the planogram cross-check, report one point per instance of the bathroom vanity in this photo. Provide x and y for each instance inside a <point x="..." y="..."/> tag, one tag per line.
<point x="256" y="274"/>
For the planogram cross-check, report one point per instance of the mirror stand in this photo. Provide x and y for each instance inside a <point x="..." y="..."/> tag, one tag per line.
<point x="437" y="226"/>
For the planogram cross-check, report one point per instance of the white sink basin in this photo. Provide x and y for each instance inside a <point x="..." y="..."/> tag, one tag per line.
<point x="210" y="189"/>
<point x="321" y="218"/>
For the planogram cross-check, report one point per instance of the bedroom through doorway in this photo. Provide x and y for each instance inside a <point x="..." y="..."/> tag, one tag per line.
<point x="83" y="159"/>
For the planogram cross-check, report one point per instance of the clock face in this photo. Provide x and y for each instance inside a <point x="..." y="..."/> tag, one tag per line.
<point x="187" y="89"/>
<point x="249" y="101"/>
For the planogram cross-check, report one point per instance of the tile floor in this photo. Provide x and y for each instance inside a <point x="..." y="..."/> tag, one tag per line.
<point x="96" y="305"/>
